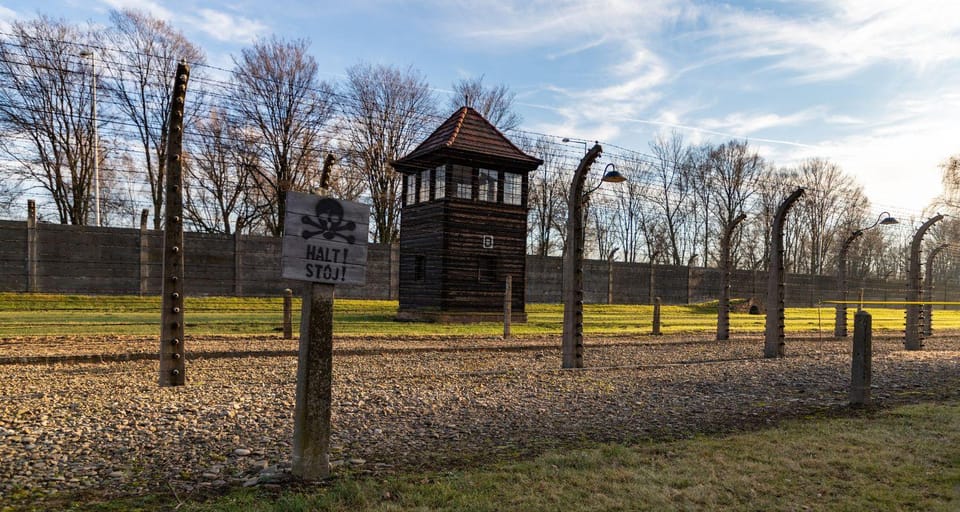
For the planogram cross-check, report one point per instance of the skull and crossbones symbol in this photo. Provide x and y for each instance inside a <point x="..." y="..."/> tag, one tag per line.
<point x="329" y="222"/>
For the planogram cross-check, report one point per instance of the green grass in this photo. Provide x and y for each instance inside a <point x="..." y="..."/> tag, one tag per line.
<point x="47" y="315"/>
<point x="906" y="458"/>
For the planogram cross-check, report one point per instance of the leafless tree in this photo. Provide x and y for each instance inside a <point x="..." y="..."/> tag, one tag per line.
<point x="217" y="187"/>
<point x="45" y="96"/>
<point x="547" y="197"/>
<point x="494" y="103"/>
<point x="671" y="168"/>
<point x="702" y="232"/>
<point x="733" y="174"/>
<point x="140" y="65"/>
<point x="829" y="210"/>
<point x="276" y="91"/>
<point x="635" y="225"/>
<point x="950" y="177"/>
<point x="386" y="113"/>
<point x="10" y="196"/>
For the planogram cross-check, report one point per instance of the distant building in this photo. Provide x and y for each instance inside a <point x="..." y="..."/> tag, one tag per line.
<point x="463" y="229"/>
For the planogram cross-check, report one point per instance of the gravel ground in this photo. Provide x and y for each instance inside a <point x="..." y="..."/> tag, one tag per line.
<point x="85" y="417"/>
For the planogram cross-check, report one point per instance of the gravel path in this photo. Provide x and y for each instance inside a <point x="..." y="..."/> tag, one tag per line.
<point x="70" y="423"/>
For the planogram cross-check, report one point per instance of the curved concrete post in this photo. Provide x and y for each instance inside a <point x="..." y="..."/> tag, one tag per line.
<point x="573" y="266"/>
<point x="928" y="289"/>
<point x="723" y="305"/>
<point x="773" y="333"/>
<point x="840" y="321"/>
<point x="913" y="337"/>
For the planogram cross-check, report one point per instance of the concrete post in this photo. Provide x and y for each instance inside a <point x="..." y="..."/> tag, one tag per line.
<point x="394" y="292"/>
<point x="507" y="307"/>
<point x="144" y="253"/>
<point x="690" y="277"/>
<point x="860" y="376"/>
<point x="652" y="292"/>
<point x="726" y="268"/>
<point x="840" y="320"/>
<point x="572" y="344"/>
<point x="610" y="275"/>
<point x="913" y="337"/>
<point x="773" y="334"/>
<point x="656" y="316"/>
<point x="287" y="314"/>
<point x="311" y="428"/>
<point x="928" y="289"/>
<point x="172" y="352"/>
<point x="237" y="265"/>
<point x="33" y="247"/>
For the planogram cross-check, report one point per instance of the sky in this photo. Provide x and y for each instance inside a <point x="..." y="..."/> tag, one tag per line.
<point x="868" y="84"/>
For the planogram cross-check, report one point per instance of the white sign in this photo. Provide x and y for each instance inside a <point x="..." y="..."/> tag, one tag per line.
<point x="325" y="239"/>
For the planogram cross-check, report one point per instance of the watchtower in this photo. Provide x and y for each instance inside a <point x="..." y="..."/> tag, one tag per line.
<point x="463" y="227"/>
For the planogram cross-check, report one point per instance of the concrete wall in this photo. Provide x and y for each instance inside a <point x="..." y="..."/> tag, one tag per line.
<point x="92" y="260"/>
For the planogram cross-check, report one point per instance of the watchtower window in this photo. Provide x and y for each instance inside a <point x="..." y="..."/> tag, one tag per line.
<point x="440" y="183"/>
<point x="411" y="189"/>
<point x="462" y="182"/>
<point x="512" y="188"/>
<point x="488" y="185"/>
<point x="425" y="185"/>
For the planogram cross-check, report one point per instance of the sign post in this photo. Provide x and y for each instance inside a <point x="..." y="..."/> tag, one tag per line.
<point x="324" y="243"/>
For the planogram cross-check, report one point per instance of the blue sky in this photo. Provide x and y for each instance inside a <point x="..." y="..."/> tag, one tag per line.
<point x="868" y="84"/>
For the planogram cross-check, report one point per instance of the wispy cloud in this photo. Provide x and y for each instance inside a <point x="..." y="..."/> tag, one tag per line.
<point x="837" y="39"/>
<point x="7" y="16"/>
<point x="227" y="27"/>
<point x="219" y="25"/>
<point x="744" y="124"/>
<point x="149" y="6"/>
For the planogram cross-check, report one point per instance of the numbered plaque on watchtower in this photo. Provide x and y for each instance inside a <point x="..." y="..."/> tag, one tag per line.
<point x="325" y="239"/>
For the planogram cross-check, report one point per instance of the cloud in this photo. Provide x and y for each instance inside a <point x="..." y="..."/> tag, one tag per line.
<point x="227" y="27"/>
<point x="155" y="9"/>
<point x="833" y="40"/>
<point x="7" y="16"/>
<point x="744" y="124"/>
<point x="219" y="25"/>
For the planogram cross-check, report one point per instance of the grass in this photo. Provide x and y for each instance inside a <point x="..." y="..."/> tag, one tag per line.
<point x="49" y="315"/>
<point x="907" y="458"/>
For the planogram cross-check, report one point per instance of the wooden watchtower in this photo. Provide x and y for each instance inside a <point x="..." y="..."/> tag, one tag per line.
<point x="463" y="227"/>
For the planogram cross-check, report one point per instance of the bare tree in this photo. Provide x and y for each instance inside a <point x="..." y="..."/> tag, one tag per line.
<point x="494" y="103"/>
<point x="634" y="224"/>
<point x="10" y="194"/>
<point x="833" y="202"/>
<point x="217" y="187"/>
<point x="140" y="67"/>
<point x="276" y="91"/>
<point x="733" y="174"/>
<point x="950" y="177"/>
<point x="671" y="168"/>
<point x="45" y="96"/>
<point x="387" y="112"/>
<point x="547" y="198"/>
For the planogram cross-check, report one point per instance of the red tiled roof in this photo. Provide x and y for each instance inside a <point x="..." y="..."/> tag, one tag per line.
<point x="466" y="131"/>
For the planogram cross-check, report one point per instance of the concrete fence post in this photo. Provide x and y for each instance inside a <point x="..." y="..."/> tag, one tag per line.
<point x="287" y="314"/>
<point x="507" y="306"/>
<point x="774" y="344"/>
<point x="33" y="247"/>
<point x="656" y="316"/>
<point x="913" y="332"/>
<point x="862" y="353"/>
<point x="237" y="265"/>
<point x="144" y="253"/>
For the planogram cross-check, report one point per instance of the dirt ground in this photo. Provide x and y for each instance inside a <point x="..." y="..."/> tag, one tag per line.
<point x="86" y="416"/>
